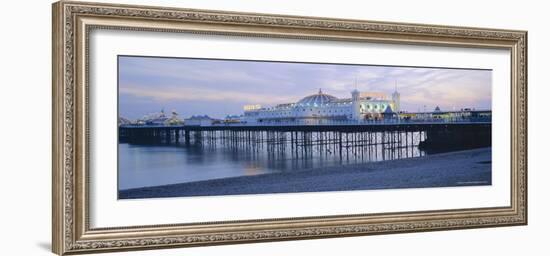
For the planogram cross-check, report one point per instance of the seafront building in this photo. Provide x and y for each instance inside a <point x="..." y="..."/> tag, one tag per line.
<point x="322" y="108"/>
<point x="200" y="120"/>
<point x="157" y="119"/>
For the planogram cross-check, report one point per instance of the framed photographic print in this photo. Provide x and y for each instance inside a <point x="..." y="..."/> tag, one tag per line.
<point x="180" y="127"/>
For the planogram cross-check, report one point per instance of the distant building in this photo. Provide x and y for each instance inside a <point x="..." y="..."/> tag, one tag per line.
<point x="463" y="115"/>
<point x="124" y="121"/>
<point x="199" y="120"/>
<point x="232" y="119"/>
<point x="322" y="108"/>
<point x="173" y="120"/>
<point x="389" y="114"/>
<point x="160" y="119"/>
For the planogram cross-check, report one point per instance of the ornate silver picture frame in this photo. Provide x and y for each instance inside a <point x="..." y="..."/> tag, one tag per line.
<point x="73" y="23"/>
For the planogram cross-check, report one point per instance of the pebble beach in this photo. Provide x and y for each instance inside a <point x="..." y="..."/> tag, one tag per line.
<point x="460" y="168"/>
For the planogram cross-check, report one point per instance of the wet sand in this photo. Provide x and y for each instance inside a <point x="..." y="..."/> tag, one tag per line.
<point x="460" y="168"/>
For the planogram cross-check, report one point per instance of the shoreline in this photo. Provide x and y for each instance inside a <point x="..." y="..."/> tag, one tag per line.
<point x="458" y="168"/>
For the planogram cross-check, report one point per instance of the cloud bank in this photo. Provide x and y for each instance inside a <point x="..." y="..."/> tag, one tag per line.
<point x="221" y="87"/>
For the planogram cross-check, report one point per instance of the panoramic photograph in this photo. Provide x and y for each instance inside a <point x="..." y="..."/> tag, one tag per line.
<point x="216" y="127"/>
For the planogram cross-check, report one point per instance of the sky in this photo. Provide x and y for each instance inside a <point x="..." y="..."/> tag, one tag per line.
<point x="222" y="87"/>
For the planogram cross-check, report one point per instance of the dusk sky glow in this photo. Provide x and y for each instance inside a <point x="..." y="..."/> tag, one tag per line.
<point x="221" y="87"/>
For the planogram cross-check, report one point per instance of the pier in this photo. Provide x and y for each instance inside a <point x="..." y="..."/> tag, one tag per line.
<point x="334" y="139"/>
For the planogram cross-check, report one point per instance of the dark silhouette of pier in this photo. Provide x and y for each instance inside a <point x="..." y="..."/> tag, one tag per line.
<point x="302" y="139"/>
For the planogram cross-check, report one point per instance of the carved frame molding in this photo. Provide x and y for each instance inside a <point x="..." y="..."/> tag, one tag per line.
<point x="72" y="22"/>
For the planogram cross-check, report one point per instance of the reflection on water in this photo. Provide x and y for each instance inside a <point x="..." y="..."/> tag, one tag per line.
<point x="153" y="165"/>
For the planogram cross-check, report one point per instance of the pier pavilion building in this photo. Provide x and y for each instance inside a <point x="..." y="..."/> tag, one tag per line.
<point x="322" y="108"/>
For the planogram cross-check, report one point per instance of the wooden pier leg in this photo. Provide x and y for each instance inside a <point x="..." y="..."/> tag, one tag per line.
<point x="340" y="143"/>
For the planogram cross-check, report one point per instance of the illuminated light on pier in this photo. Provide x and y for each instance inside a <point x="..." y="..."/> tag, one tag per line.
<point x="252" y="107"/>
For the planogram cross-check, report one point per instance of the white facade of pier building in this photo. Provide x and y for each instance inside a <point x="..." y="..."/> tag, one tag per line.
<point x="321" y="108"/>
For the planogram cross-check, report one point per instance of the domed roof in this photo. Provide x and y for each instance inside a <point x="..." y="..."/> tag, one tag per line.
<point x="318" y="99"/>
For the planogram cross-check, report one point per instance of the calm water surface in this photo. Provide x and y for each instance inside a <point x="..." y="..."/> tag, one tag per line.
<point x="154" y="165"/>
